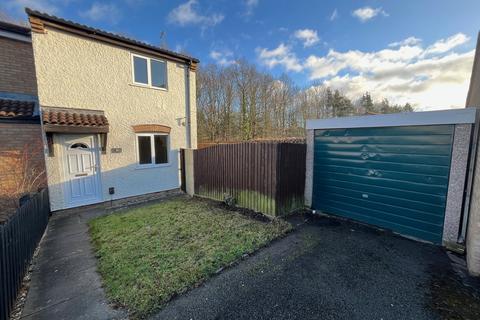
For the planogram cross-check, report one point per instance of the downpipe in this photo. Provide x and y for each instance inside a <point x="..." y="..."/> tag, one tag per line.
<point x="187" y="107"/>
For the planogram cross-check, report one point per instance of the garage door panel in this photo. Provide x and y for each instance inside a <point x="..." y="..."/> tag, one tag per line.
<point x="388" y="131"/>
<point x="406" y="140"/>
<point x="390" y="166"/>
<point x="434" y="237"/>
<point x="388" y="183"/>
<point x="356" y="194"/>
<point x="397" y="193"/>
<point x="412" y="158"/>
<point x="399" y="176"/>
<point x="414" y="214"/>
<point x="387" y="148"/>
<point x="395" y="178"/>
<point x="388" y="216"/>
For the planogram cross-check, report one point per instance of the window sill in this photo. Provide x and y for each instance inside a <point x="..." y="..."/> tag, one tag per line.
<point x="146" y="86"/>
<point x="152" y="166"/>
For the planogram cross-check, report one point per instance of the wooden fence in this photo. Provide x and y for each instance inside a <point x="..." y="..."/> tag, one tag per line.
<point x="267" y="177"/>
<point x="19" y="236"/>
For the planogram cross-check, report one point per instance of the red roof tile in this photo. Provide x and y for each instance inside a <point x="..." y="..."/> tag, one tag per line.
<point x="16" y="109"/>
<point x="74" y="117"/>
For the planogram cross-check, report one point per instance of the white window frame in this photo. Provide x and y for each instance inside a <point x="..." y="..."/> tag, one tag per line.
<point x="149" y="72"/>
<point x="152" y="149"/>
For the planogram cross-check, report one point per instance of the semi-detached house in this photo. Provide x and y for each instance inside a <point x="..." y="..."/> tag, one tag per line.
<point x="115" y="112"/>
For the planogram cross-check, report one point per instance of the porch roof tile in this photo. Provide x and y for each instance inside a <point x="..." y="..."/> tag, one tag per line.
<point x="73" y="118"/>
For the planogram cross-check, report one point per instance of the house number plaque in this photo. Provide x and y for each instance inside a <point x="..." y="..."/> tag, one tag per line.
<point x="116" y="150"/>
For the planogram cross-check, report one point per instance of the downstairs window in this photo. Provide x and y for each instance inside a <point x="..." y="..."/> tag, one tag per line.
<point x="152" y="149"/>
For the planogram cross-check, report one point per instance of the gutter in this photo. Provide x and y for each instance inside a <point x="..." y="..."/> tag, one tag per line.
<point x="15" y="36"/>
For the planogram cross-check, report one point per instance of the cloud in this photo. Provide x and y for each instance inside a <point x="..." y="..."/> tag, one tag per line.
<point x="431" y="76"/>
<point x="404" y="74"/>
<point x="410" y="41"/>
<point x="308" y="36"/>
<point x="432" y="84"/>
<point x="187" y="14"/>
<point x="48" y="6"/>
<point x="250" y="5"/>
<point x="444" y="45"/>
<point x="223" y="58"/>
<point x="358" y="61"/>
<point x="280" y="56"/>
<point x="366" y="13"/>
<point x="102" y="11"/>
<point x="334" y="15"/>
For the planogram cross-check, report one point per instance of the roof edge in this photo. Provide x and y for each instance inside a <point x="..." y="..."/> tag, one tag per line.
<point x="440" y="117"/>
<point x="18" y="120"/>
<point x="14" y="28"/>
<point x="93" y="31"/>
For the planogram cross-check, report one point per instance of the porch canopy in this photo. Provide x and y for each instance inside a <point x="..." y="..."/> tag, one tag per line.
<point x="66" y="120"/>
<point x="69" y="120"/>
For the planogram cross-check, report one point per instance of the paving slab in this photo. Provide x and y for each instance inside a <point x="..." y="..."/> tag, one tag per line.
<point x="65" y="283"/>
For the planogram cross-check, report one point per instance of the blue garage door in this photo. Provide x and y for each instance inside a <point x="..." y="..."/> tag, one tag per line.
<point x="393" y="177"/>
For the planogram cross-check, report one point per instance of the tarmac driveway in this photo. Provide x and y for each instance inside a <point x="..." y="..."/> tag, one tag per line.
<point x="333" y="269"/>
<point x="326" y="269"/>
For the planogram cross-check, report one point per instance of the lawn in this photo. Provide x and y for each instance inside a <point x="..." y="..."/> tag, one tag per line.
<point x="148" y="254"/>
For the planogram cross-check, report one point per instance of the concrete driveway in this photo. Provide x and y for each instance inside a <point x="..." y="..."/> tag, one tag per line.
<point x="332" y="269"/>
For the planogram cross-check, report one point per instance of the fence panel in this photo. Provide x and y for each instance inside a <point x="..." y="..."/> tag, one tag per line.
<point x="267" y="177"/>
<point x="290" y="193"/>
<point x="19" y="236"/>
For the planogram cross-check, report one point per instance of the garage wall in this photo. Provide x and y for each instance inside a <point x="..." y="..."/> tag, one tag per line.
<point x="456" y="184"/>
<point x="309" y="169"/>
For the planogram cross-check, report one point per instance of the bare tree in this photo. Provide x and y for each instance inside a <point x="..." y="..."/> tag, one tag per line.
<point x="239" y="102"/>
<point x="26" y="173"/>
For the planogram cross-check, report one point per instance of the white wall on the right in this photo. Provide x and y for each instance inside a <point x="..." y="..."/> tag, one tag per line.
<point x="473" y="230"/>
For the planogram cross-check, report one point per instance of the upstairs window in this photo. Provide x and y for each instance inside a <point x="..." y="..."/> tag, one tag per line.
<point x="149" y="72"/>
<point x="140" y="70"/>
<point x="152" y="149"/>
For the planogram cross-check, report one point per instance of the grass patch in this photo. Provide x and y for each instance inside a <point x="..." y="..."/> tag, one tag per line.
<point x="149" y="254"/>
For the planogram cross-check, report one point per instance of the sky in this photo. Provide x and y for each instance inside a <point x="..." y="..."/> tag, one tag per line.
<point x="417" y="51"/>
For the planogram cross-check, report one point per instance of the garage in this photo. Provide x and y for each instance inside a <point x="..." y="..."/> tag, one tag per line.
<point x="390" y="171"/>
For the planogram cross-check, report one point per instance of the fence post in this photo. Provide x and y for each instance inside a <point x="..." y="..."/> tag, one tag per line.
<point x="189" y="166"/>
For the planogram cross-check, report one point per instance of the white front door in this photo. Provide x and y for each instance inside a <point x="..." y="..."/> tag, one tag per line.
<point x="82" y="172"/>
